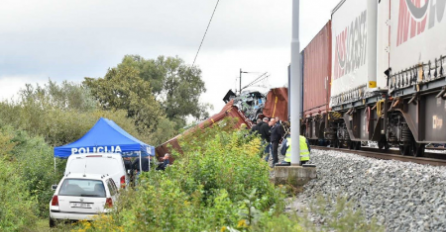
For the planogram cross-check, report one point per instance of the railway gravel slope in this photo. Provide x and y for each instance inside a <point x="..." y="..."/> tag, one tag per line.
<point x="402" y="196"/>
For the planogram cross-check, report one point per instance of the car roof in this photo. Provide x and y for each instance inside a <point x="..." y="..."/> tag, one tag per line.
<point x="87" y="176"/>
<point x="83" y="155"/>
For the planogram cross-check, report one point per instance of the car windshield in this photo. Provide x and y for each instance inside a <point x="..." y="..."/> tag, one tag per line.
<point x="82" y="188"/>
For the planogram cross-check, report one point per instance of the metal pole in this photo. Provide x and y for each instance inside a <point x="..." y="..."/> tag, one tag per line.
<point x="149" y="161"/>
<point x="140" y="163"/>
<point x="55" y="166"/>
<point x="295" y="86"/>
<point x="240" y="82"/>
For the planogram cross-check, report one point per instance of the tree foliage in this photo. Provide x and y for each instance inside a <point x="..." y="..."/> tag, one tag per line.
<point x="177" y="86"/>
<point x="44" y="112"/>
<point x="123" y="89"/>
<point x="67" y="95"/>
<point x="26" y="174"/>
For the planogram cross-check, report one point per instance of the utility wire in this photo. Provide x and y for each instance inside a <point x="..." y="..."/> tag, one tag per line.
<point x="205" y="32"/>
<point x="256" y="80"/>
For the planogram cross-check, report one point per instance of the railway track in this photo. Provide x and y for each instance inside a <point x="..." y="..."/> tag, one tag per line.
<point x="434" y="159"/>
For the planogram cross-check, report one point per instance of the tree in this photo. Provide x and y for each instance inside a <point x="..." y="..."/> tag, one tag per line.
<point x="176" y="85"/>
<point x="123" y="89"/>
<point x="68" y="95"/>
<point x="62" y="113"/>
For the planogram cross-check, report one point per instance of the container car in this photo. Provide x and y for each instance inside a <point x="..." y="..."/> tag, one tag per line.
<point x="388" y="79"/>
<point x="316" y="84"/>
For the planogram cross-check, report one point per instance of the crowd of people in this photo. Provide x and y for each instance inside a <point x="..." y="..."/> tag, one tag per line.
<point x="134" y="168"/>
<point x="274" y="134"/>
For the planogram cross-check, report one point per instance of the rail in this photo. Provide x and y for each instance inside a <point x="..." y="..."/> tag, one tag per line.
<point x="433" y="159"/>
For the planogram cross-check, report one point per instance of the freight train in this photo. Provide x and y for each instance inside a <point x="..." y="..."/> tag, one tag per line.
<point x="375" y="72"/>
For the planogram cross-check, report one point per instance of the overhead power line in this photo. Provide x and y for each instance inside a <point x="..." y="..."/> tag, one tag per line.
<point x="205" y="32"/>
<point x="257" y="80"/>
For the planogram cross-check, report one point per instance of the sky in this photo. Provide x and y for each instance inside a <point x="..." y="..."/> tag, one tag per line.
<point x="69" y="40"/>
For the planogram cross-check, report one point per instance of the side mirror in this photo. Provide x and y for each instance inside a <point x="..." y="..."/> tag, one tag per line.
<point x="54" y="187"/>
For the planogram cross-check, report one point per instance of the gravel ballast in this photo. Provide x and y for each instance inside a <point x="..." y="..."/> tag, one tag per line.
<point x="401" y="196"/>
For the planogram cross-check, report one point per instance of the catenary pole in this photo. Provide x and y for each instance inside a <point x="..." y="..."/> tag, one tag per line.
<point x="295" y="86"/>
<point x="240" y="82"/>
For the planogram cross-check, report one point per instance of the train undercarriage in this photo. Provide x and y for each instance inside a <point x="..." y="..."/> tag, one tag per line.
<point x="408" y="118"/>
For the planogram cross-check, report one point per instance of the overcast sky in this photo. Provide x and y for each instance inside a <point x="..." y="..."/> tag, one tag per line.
<point x="70" y="40"/>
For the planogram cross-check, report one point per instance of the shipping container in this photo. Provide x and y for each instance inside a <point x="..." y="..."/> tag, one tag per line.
<point x="277" y="104"/>
<point x="229" y="110"/>
<point x="418" y="30"/>
<point x="383" y="42"/>
<point x="317" y="73"/>
<point x="354" y="47"/>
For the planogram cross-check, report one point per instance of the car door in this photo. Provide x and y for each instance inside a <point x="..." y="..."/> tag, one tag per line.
<point x="82" y="196"/>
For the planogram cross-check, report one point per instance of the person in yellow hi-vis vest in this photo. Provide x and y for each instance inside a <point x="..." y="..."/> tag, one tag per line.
<point x="304" y="149"/>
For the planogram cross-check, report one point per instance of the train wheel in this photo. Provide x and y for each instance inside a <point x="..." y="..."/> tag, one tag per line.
<point x="358" y="146"/>
<point x="386" y="146"/>
<point x="418" y="149"/>
<point x="403" y="149"/>
<point x="380" y="145"/>
<point x="351" y="145"/>
<point x="421" y="149"/>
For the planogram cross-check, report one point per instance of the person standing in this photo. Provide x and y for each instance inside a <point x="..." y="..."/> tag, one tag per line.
<point x="255" y="127"/>
<point x="128" y="167"/>
<point x="144" y="164"/>
<point x="264" y="131"/>
<point x="277" y="132"/>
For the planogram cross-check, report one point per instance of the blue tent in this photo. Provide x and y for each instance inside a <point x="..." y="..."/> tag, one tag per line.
<point x="106" y="136"/>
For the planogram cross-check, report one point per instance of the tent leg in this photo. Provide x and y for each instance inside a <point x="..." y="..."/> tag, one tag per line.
<point x="140" y="163"/>
<point x="55" y="167"/>
<point x="149" y="162"/>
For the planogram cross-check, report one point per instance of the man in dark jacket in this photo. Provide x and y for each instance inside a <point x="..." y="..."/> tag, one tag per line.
<point x="255" y="127"/>
<point x="263" y="130"/>
<point x="144" y="164"/>
<point x="277" y="132"/>
<point x="128" y="167"/>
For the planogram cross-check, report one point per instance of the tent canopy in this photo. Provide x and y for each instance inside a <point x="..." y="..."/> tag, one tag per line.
<point x="105" y="137"/>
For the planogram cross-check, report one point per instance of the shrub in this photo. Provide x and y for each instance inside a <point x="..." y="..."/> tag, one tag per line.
<point x="217" y="184"/>
<point x="17" y="208"/>
<point x="61" y="114"/>
<point x="34" y="160"/>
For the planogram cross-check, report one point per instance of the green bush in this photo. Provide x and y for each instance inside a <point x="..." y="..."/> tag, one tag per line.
<point x="35" y="165"/>
<point x="219" y="183"/>
<point x="18" y="208"/>
<point x="61" y="114"/>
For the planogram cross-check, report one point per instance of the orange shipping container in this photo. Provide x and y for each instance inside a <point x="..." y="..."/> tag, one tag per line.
<point x="277" y="104"/>
<point x="229" y="110"/>
<point x="317" y="73"/>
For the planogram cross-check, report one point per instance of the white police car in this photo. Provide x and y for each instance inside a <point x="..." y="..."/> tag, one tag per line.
<point x="81" y="196"/>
